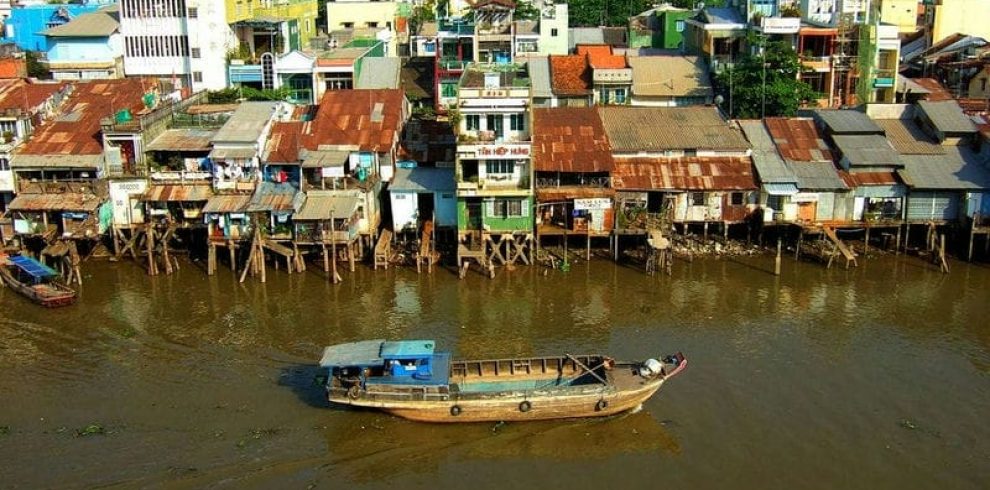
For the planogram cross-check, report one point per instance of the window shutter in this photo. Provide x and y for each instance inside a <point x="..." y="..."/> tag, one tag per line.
<point x="524" y="204"/>
<point x="489" y="208"/>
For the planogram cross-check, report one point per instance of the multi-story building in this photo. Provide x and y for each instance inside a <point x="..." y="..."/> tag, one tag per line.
<point x="376" y="16"/>
<point x="493" y="168"/>
<point x="88" y="47"/>
<point x="26" y="22"/>
<point x="948" y="17"/>
<point x="190" y="41"/>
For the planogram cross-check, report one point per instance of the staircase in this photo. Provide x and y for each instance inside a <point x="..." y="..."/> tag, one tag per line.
<point x="841" y="247"/>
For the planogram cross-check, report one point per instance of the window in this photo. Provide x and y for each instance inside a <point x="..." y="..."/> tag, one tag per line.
<point x="553" y="32"/>
<point x="508" y="208"/>
<point x="736" y="198"/>
<point x="8" y="126"/>
<point x="197" y="76"/>
<point x="430" y="47"/>
<point x="517" y="122"/>
<point x="679" y="26"/>
<point x="620" y="96"/>
<point x="193" y="13"/>
<point x="503" y="167"/>
<point x="347" y="25"/>
<point x="194" y="52"/>
<point x="372" y="25"/>
<point x="4" y="164"/>
<point x="448" y="89"/>
<point x="697" y="198"/>
<point x="473" y="122"/>
<point x="494" y="123"/>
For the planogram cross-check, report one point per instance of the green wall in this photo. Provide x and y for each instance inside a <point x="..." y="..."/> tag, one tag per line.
<point x="520" y="223"/>
<point x="669" y="37"/>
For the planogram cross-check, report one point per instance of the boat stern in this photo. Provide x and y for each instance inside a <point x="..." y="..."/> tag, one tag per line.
<point x="673" y="365"/>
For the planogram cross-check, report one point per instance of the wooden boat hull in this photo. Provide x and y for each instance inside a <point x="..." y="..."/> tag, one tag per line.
<point x="52" y="297"/>
<point x="507" y="409"/>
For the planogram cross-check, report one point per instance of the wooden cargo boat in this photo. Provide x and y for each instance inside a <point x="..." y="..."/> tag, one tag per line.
<point x="410" y="380"/>
<point x="35" y="281"/>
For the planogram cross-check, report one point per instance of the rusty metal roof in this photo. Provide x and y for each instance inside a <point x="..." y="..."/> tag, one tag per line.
<point x="634" y="129"/>
<point x="283" y="143"/>
<point x="24" y="95"/>
<point x="77" y="131"/>
<point x="369" y="119"/>
<point x="236" y="203"/>
<point x="798" y="139"/>
<point x="570" y="139"/>
<point x="856" y="179"/>
<point x="69" y="201"/>
<point x="177" y="193"/>
<point x="271" y="196"/>
<point x="908" y="139"/>
<point x="694" y="173"/>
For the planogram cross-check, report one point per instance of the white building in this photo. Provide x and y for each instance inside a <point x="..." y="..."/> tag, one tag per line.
<point x="185" y="40"/>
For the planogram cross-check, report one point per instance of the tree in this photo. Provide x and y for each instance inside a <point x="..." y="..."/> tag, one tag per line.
<point x="35" y="68"/>
<point x="525" y="11"/>
<point x="421" y="14"/>
<point x="764" y="84"/>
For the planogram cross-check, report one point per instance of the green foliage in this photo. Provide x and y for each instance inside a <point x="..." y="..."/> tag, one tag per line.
<point x="422" y="13"/>
<point x="525" y="11"/>
<point x="224" y="96"/>
<point x="593" y="13"/>
<point x="35" y="68"/>
<point x="782" y="92"/>
<point x="250" y="93"/>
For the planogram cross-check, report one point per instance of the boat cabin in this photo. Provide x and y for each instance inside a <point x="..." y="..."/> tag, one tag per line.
<point x="380" y="362"/>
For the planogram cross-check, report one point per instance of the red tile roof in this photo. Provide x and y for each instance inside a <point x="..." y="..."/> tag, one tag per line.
<point x="601" y="56"/>
<point x="570" y="139"/>
<point x="570" y="75"/>
<point x="798" y="139"/>
<point x="687" y="173"/>
<point x="283" y="143"/>
<point x="77" y="130"/>
<point x="25" y="95"/>
<point x="857" y="179"/>
<point x="345" y="118"/>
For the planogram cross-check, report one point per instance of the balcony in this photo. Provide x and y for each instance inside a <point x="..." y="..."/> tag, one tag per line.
<point x="612" y="75"/>
<point x="455" y="28"/>
<point x="451" y="65"/>
<point x="180" y="176"/>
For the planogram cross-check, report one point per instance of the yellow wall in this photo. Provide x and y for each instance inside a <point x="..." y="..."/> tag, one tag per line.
<point x="965" y="16"/>
<point x="902" y="13"/>
<point x="302" y="10"/>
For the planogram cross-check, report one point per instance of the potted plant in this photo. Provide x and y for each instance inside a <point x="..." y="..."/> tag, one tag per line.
<point x="8" y="136"/>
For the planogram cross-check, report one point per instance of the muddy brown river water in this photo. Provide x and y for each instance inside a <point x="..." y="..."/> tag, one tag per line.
<point x="875" y="377"/>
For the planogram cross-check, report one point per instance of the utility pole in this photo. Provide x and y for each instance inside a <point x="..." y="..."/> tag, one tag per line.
<point x="763" y="52"/>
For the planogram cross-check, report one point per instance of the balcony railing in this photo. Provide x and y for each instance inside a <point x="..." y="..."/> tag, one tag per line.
<point x="450" y="65"/>
<point x="459" y="28"/>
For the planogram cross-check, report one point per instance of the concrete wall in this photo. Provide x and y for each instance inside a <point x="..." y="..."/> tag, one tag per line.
<point x="965" y="16"/>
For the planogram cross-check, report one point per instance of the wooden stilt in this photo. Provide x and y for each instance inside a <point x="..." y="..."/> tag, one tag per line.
<point x="797" y="248"/>
<point x="350" y="256"/>
<point x="866" y="243"/>
<point x="211" y="259"/>
<point x="776" y="262"/>
<point x="907" y="236"/>
<point x="233" y="255"/>
<point x="150" y="247"/>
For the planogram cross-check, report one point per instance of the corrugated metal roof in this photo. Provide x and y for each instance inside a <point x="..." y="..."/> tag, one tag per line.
<point x="958" y="169"/>
<point x="669" y="76"/>
<point x="723" y="15"/>
<point x="283" y="143"/>
<point x="570" y="139"/>
<point x="872" y="150"/>
<point x="233" y="153"/>
<point x="88" y="104"/>
<point x="271" y="196"/>
<point x="817" y="176"/>
<point x="183" y="139"/>
<point x="423" y="179"/>
<point x="584" y="35"/>
<point x="669" y="128"/>
<point x="27" y="95"/>
<point x="856" y="179"/>
<point x="908" y="139"/>
<point x="947" y="116"/>
<point x="246" y="123"/>
<point x="80" y="162"/>
<point x="539" y="76"/>
<point x="798" y="139"/>
<point x="324" y="205"/>
<point x="227" y="204"/>
<point x="847" y="121"/>
<point x="769" y="166"/>
<point x="101" y="23"/>
<point x="379" y="72"/>
<point x="324" y="158"/>
<point x="69" y="201"/>
<point x="696" y="173"/>
<point x="344" y="118"/>
<point x="780" y="189"/>
<point x="178" y="193"/>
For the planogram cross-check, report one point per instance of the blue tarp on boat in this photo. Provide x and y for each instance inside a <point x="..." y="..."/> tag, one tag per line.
<point x="32" y="267"/>
<point x="364" y="353"/>
<point x="407" y="349"/>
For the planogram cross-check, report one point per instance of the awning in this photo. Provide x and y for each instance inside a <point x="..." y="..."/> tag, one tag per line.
<point x="322" y="207"/>
<point x="777" y="189"/>
<point x="325" y="158"/>
<point x="227" y="204"/>
<point x="177" y="193"/>
<point x="233" y="153"/>
<point x="183" y="140"/>
<point x="32" y="267"/>
<point x="69" y="201"/>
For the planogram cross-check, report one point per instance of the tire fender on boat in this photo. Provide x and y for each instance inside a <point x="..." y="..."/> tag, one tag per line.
<point x="525" y="406"/>
<point x="455" y="410"/>
<point x="354" y="392"/>
<point x="601" y="405"/>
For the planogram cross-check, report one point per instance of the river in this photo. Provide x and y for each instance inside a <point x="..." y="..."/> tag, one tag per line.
<point x="873" y="377"/>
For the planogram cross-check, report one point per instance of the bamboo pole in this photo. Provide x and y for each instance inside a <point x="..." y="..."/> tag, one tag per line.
<point x="776" y="262"/>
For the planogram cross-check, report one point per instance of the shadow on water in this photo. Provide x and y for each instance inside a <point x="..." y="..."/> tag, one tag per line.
<point x="304" y="380"/>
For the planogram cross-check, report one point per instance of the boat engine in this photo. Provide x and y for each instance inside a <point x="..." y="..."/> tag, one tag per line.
<point x="651" y="368"/>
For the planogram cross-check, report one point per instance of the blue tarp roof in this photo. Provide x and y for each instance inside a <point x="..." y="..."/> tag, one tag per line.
<point x="33" y="267"/>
